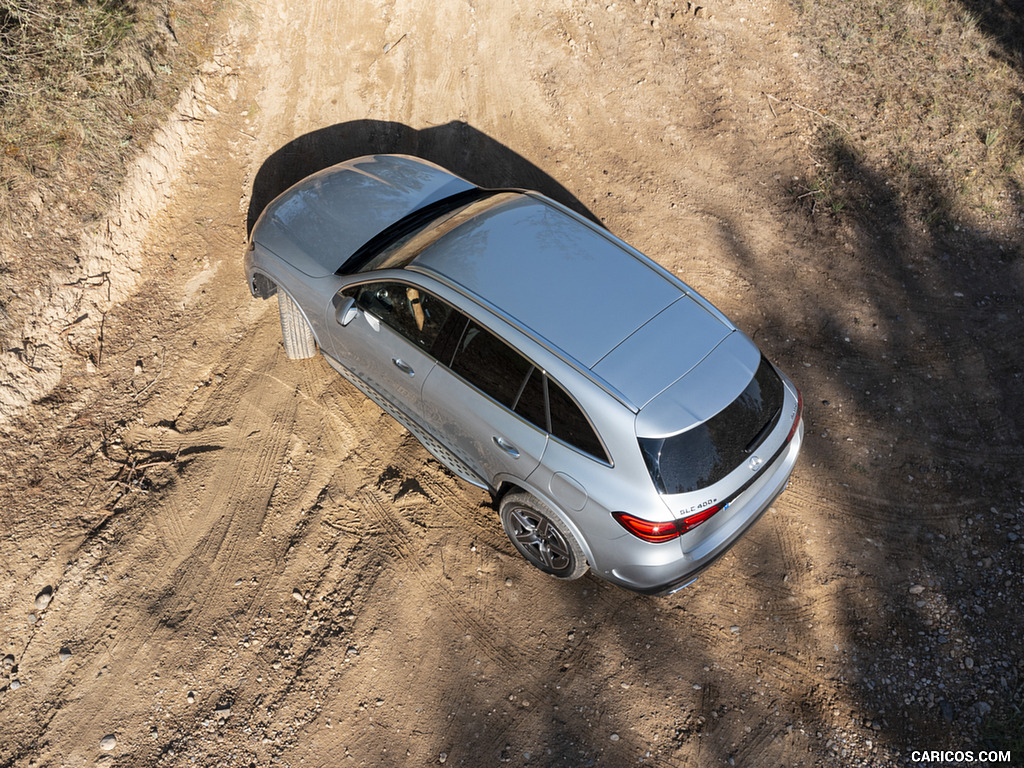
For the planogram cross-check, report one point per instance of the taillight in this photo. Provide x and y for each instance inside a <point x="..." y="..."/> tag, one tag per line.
<point x="691" y="522"/>
<point x="645" y="529"/>
<point x="656" y="533"/>
<point x="799" y="414"/>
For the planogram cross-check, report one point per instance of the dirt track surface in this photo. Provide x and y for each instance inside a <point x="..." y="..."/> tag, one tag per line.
<point x="250" y="564"/>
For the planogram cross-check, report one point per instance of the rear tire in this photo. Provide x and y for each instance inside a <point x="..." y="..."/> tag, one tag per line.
<point x="541" y="537"/>
<point x="299" y="343"/>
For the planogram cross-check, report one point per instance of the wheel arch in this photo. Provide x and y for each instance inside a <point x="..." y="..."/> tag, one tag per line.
<point x="262" y="285"/>
<point x="517" y="485"/>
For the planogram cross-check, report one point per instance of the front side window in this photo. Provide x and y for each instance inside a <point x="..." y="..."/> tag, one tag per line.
<point x="703" y="455"/>
<point x="409" y="311"/>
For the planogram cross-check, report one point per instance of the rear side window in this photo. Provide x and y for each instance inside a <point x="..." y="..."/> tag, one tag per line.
<point x="490" y="365"/>
<point x="570" y="425"/>
<point x="498" y="370"/>
<point x="702" y="456"/>
<point x="532" y="404"/>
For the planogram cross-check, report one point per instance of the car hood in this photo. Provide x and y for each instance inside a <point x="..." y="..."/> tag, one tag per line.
<point x="318" y="223"/>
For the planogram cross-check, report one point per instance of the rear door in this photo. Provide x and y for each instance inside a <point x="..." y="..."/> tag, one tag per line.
<point x="488" y="405"/>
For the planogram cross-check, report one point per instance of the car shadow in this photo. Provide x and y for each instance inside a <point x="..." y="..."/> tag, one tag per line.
<point x="456" y="146"/>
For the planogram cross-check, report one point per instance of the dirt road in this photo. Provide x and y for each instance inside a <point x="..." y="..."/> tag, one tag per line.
<point x="251" y="565"/>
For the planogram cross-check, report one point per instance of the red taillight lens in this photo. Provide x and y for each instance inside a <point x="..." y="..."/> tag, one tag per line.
<point x="799" y="415"/>
<point x="691" y="522"/>
<point x="656" y="533"/>
<point x="645" y="529"/>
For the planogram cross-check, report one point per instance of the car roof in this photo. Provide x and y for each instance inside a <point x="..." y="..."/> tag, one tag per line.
<point x="601" y="305"/>
<point x="564" y="280"/>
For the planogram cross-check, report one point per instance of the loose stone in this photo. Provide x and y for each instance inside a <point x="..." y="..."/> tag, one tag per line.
<point x="43" y="598"/>
<point x="108" y="742"/>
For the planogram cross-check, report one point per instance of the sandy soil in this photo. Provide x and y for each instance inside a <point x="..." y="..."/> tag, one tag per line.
<point x="220" y="557"/>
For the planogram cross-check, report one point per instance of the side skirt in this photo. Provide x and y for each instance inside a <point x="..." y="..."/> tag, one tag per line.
<point x="436" y="449"/>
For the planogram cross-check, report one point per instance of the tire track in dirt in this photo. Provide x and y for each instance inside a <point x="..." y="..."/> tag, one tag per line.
<point x="183" y="589"/>
<point x="231" y="513"/>
<point x="468" y="618"/>
<point x="900" y="515"/>
<point x="399" y="542"/>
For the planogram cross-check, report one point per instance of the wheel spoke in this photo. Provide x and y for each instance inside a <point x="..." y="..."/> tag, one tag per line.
<point x="558" y="547"/>
<point x="544" y="553"/>
<point x="540" y="540"/>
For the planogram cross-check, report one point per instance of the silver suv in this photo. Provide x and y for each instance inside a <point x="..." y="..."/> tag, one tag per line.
<point x="620" y="421"/>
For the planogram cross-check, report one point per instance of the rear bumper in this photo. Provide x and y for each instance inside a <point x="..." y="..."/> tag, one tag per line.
<point x="725" y="530"/>
<point x="684" y="581"/>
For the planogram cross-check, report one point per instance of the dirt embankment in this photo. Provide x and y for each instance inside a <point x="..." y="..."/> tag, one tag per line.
<point x="250" y="564"/>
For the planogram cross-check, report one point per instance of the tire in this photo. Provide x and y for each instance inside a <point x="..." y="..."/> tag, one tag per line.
<point x="541" y="537"/>
<point x="299" y="343"/>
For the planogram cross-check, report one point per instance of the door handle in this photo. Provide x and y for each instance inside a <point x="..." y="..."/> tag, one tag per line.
<point x="506" y="446"/>
<point x="403" y="366"/>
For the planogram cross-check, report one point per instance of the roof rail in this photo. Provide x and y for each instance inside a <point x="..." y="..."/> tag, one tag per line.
<point x="527" y="331"/>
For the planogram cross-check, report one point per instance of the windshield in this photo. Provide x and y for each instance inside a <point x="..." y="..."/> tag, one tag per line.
<point x="703" y="455"/>
<point x="387" y="249"/>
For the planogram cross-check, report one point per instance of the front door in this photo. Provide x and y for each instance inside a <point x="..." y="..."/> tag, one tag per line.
<point x="387" y="344"/>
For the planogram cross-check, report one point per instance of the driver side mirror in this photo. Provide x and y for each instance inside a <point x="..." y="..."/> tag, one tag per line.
<point x="346" y="311"/>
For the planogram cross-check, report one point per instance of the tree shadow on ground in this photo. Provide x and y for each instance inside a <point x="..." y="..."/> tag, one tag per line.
<point x="456" y="146"/>
<point x="917" y="437"/>
<point x="1003" y="20"/>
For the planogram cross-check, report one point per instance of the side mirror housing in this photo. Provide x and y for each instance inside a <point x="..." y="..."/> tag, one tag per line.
<point x="346" y="311"/>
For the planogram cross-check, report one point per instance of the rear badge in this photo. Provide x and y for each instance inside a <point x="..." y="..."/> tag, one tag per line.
<point x="754" y="463"/>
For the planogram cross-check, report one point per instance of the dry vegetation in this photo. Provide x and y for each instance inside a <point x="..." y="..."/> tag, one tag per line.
<point x="922" y="96"/>
<point x="82" y="86"/>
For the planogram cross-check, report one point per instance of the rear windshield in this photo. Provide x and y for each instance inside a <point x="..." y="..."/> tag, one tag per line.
<point x="702" y="456"/>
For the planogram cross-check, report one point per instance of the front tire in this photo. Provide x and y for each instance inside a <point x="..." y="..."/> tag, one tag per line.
<point x="299" y="343"/>
<point x="541" y="537"/>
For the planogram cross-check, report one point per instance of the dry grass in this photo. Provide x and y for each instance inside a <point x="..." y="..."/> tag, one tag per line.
<point x="933" y="106"/>
<point x="83" y="84"/>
